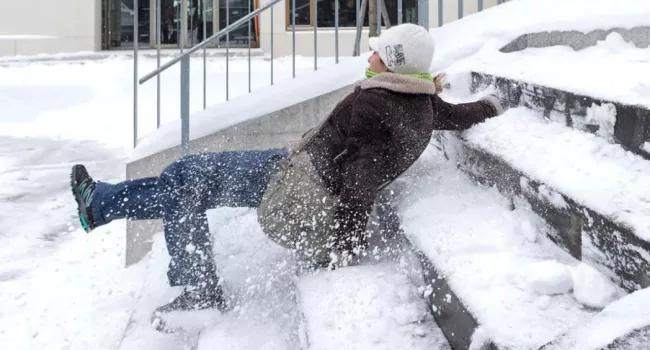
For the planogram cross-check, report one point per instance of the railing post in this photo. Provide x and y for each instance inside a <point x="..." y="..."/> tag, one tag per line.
<point x="460" y="9"/>
<point x="315" y="34"/>
<point x="205" y="65"/>
<point x="249" y="49"/>
<point x="227" y="51"/>
<point x="271" y="45"/>
<point x="293" y="34"/>
<point x="135" y="74"/>
<point x="185" y="105"/>
<point x="336" y="30"/>
<point x="423" y="13"/>
<point x="399" y="11"/>
<point x="440" y="16"/>
<point x="379" y="2"/>
<point x="480" y="5"/>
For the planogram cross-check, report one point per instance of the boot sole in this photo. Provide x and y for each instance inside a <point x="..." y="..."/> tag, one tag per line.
<point x="81" y="207"/>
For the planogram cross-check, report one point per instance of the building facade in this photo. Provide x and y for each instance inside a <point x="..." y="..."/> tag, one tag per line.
<point x="65" y="26"/>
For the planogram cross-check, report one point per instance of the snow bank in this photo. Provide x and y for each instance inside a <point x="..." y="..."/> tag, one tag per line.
<point x="497" y="26"/>
<point x="617" y="319"/>
<point x="612" y="70"/>
<point x="25" y="37"/>
<point x="585" y="167"/>
<point x="592" y="288"/>
<point x="366" y="307"/>
<point x="498" y="261"/>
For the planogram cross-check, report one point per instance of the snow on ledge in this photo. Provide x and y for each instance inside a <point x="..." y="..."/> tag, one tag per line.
<point x="26" y="37"/>
<point x="497" y="26"/>
<point x="256" y="104"/>
<point x="598" y="174"/>
<point x="498" y="261"/>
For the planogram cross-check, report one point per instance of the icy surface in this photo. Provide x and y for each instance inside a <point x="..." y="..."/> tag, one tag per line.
<point x="490" y="258"/>
<point x="366" y="307"/>
<point x="616" y="320"/>
<point x="585" y="167"/>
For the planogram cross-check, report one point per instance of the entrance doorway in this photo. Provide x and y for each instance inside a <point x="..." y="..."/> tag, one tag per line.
<point x="118" y="20"/>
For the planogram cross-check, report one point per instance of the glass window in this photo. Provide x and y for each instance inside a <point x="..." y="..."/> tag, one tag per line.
<point x="347" y="12"/>
<point x="303" y="15"/>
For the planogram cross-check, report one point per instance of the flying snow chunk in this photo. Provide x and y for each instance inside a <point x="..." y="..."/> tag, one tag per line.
<point x="549" y="277"/>
<point x="591" y="288"/>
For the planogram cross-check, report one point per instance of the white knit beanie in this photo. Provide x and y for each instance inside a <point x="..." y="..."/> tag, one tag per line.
<point x="405" y="49"/>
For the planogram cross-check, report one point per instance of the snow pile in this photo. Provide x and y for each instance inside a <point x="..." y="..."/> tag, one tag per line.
<point x="497" y="26"/>
<point x="617" y="319"/>
<point x="366" y="307"/>
<point x="549" y="277"/>
<point x="592" y="288"/>
<point x="496" y="260"/>
<point x="585" y="167"/>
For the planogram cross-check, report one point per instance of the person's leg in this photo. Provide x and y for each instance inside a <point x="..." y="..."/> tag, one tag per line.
<point x="137" y="199"/>
<point x="189" y="187"/>
<point x="100" y="203"/>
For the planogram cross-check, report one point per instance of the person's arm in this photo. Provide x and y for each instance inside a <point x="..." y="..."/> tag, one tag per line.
<point x="360" y="171"/>
<point x="464" y="115"/>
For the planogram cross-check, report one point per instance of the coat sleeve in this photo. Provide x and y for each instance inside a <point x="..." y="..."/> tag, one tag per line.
<point x="366" y="143"/>
<point x="461" y="116"/>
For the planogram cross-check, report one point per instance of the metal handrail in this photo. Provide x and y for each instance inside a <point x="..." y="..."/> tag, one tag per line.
<point x="207" y="41"/>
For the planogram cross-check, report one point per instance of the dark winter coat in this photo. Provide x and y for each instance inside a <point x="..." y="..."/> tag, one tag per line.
<point x="321" y="197"/>
<point x="375" y="134"/>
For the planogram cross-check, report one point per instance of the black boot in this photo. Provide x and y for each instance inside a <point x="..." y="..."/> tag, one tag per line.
<point x="83" y="190"/>
<point x="191" y="299"/>
<point x="194" y="298"/>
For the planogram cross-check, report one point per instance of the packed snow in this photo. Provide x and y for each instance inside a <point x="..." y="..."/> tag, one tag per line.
<point x="598" y="174"/>
<point x="495" y="27"/>
<point x="498" y="261"/>
<point x="366" y="307"/>
<point x="616" y="320"/>
<point x="613" y="70"/>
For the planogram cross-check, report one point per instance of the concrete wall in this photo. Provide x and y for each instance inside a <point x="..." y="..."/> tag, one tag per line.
<point x="278" y="129"/>
<point x="282" y="39"/>
<point x="75" y="25"/>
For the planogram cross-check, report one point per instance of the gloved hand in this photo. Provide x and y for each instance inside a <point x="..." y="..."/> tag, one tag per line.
<point x="439" y="81"/>
<point x="498" y="101"/>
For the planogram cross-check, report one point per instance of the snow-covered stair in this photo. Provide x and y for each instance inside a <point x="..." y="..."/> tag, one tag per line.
<point x="366" y="307"/>
<point x="622" y="325"/>
<point x="594" y="193"/>
<point x="601" y="89"/>
<point x="496" y="264"/>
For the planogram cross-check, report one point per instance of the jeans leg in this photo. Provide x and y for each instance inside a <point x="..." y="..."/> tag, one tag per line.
<point x="132" y="199"/>
<point x="193" y="184"/>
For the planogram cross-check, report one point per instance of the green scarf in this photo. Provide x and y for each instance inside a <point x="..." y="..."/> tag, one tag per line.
<point x="425" y="76"/>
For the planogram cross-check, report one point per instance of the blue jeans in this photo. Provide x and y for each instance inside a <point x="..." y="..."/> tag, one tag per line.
<point x="181" y="195"/>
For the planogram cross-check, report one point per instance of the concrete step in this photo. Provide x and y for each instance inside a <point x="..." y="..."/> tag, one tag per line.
<point x="623" y="325"/>
<point x="628" y="125"/>
<point x="594" y="194"/>
<point x="365" y="307"/>
<point x="494" y="280"/>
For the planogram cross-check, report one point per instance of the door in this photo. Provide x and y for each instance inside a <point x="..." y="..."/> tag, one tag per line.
<point x="229" y="12"/>
<point x="118" y="20"/>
